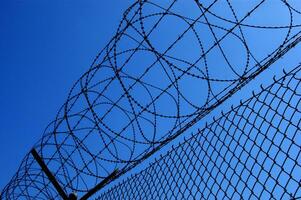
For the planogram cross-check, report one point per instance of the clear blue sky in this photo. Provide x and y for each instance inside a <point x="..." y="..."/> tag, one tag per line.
<point x="44" y="47"/>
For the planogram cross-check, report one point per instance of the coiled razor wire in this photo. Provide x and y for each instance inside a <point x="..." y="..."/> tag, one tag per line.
<point x="169" y="64"/>
<point x="251" y="152"/>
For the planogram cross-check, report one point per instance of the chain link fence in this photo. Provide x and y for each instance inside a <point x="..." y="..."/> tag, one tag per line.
<point x="169" y="64"/>
<point x="251" y="152"/>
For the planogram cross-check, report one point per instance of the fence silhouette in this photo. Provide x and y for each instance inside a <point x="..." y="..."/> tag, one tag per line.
<point x="251" y="152"/>
<point x="169" y="64"/>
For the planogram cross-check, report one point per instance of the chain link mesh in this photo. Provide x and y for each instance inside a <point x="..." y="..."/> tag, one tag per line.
<point x="251" y="152"/>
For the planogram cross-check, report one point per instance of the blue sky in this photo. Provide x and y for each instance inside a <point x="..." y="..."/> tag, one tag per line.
<point x="44" y="47"/>
<point x="47" y="45"/>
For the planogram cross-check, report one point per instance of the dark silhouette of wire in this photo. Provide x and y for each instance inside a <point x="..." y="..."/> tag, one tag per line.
<point x="250" y="152"/>
<point x="162" y="72"/>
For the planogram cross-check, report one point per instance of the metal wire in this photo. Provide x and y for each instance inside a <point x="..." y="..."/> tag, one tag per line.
<point x="137" y="96"/>
<point x="251" y="152"/>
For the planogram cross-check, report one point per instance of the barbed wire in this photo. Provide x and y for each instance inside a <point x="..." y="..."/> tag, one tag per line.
<point x="251" y="152"/>
<point x="169" y="64"/>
